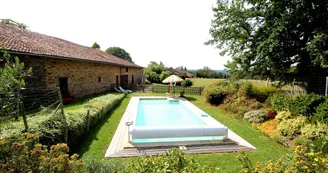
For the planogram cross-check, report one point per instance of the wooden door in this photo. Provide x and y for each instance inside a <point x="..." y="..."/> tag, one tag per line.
<point x="116" y="80"/>
<point x="63" y="84"/>
<point x="125" y="81"/>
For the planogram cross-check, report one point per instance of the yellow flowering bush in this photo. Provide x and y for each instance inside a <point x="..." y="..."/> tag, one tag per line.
<point x="26" y="154"/>
<point x="300" y="161"/>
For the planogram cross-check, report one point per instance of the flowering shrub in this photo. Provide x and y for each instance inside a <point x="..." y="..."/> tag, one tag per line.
<point x="298" y="162"/>
<point x="257" y="116"/>
<point x="26" y="154"/>
<point x="314" y="131"/>
<point x="292" y="127"/>
<point x="269" y="127"/>
<point x="283" y="115"/>
<point x="271" y="114"/>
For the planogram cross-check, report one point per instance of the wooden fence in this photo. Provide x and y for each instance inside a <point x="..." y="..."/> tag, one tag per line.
<point x="35" y="97"/>
<point x="177" y="89"/>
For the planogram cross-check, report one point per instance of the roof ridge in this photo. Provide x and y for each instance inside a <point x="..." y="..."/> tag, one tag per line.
<point x="27" y="41"/>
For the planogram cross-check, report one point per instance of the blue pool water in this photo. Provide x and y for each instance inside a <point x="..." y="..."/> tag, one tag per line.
<point x="165" y="113"/>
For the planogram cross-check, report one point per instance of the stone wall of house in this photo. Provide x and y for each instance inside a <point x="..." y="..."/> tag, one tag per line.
<point x="137" y="75"/>
<point x="38" y="64"/>
<point x="84" y="78"/>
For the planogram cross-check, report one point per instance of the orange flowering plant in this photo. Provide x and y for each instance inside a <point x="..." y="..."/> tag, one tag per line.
<point x="25" y="154"/>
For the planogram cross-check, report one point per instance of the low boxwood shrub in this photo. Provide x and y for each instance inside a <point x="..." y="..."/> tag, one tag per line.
<point x="186" y="83"/>
<point x="306" y="104"/>
<point x="292" y="127"/>
<point x="261" y="93"/>
<point x="214" y="94"/>
<point x="257" y="116"/>
<point x="314" y="131"/>
<point x="321" y="113"/>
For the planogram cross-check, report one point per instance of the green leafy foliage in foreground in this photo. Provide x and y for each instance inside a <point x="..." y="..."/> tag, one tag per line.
<point x="172" y="161"/>
<point x="26" y="154"/>
<point x="50" y="128"/>
<point x="301" y="160"/>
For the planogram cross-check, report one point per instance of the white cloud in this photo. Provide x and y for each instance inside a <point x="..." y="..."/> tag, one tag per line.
<point x="171" y="31"/>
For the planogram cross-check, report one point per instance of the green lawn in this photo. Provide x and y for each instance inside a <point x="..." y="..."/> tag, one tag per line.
<point x="96" y="143"/>
<point x="203" y="81"/>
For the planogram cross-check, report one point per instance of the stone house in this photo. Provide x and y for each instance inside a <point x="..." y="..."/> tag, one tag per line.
<point x="78" y="70"/>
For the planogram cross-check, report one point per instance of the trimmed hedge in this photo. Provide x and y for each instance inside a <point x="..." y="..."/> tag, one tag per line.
<point x="50" y="128"/>
<point x="186" y="83"/>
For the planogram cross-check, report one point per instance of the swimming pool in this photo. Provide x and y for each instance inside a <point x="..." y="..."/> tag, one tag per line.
<point x="163" y="120"/>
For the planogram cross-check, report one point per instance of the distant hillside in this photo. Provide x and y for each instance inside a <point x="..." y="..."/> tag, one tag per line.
<point x="220" y="71"/>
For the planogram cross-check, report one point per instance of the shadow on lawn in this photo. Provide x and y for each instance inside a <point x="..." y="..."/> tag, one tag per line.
<point x="84" y="142"/>
<point x="189" y="98"/>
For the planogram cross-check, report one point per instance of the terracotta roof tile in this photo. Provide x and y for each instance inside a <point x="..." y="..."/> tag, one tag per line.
<point x="178" y="71"/>
<point x="20" y="40"/>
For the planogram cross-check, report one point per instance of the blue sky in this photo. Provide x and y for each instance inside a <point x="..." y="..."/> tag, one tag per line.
<point x="171" y="31"/>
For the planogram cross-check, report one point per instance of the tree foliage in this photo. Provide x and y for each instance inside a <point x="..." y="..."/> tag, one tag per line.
<point x="12" y="77"/>
<point x="13" y="23"/>
<point x="206" y="72"/>
<point x="119" y="52"/>
<point x="266" y="38"/>
<point x="156" y="72"/>
<point x="95" y="45"/>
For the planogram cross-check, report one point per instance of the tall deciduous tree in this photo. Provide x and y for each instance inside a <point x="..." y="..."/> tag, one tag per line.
<point x="268" y="37"/>
<point x="119" y="52"/>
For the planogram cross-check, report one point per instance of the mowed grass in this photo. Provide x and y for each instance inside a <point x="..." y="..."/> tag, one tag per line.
<point x="204" y="82"/>
<point x="96" y="143"/>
